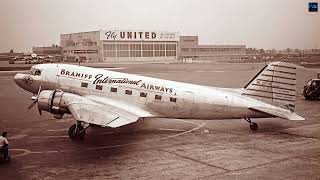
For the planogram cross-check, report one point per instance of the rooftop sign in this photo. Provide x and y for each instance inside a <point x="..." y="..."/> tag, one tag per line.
<point x="118" y="35"/>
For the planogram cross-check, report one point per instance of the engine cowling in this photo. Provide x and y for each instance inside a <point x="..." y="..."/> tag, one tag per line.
<point x="53" y="101"/>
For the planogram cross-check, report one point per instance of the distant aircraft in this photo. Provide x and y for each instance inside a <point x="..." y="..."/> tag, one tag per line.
<point x="106" y="98"/>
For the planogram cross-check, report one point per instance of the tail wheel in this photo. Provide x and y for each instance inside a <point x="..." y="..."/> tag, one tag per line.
<point x="76" y="132"/>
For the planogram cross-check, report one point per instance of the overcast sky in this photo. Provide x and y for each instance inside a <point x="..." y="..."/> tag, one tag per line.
<point x="256" y="23"/>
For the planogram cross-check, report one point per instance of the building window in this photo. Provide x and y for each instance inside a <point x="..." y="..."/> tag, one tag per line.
<point x="122" y="53"/>
<point x="173" y="99"/>
<point x="99" y="87"/>
<point x="147" y="46"/>
<point x="159" y="53"/>
<point x="160" y="46"/>
<point x="110" y="53"/>
<point x="113" y="89"/>
<point x="171" y="53"/>
<point x="122" y="46"/>
<point x="158" y="97"/>
<point x="171" y="47"/>
<point x="128" y="92"/>
<point x="135" y="53"/>
<point x="109" y="47"/>
<point x="135" y="47"/>
<point x="147" y="53"/>
<point x="84" y="84"/>
<point x="142" y="94"/>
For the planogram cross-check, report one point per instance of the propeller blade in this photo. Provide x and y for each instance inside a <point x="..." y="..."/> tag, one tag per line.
<point x="39" y="91"/>
<point x="32" y="104"/>
<point x="40" y="112"/>
<point x="35" y="99"/>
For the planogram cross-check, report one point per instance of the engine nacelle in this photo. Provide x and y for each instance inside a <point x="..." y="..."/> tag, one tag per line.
<point x="53" y="102"/>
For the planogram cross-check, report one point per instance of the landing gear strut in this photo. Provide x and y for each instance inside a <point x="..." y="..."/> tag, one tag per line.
<point x="253" y="125"/>
<point x="77" y="131"/>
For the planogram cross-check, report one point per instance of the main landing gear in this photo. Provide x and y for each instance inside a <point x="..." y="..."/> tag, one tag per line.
<point x="253" y="125"/>
<point x="77" y="131"/>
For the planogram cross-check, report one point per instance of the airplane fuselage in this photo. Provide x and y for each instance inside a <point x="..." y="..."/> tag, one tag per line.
<point x="162" y="98"/>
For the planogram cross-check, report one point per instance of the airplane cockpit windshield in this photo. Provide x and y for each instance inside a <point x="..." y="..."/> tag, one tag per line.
<point x="35" y="72"/>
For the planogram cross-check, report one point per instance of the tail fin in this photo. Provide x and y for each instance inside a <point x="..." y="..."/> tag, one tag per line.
<point x="274" y="84"/>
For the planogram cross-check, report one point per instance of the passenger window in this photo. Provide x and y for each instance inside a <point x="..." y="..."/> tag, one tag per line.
<point x="157" y="97"/>
<point x="128" y="92"/>
<point x="142" y="94"/>
<point x="84" y="84"/>
<point x="173" y="99"/>
<point x="99" y="87"/>
<point x="113" y="89"/>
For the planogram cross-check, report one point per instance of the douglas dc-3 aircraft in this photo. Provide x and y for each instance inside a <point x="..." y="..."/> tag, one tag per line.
<point x="106" y="98"/>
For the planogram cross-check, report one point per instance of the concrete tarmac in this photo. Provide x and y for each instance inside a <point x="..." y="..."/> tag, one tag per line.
<point x="164" y="148"/>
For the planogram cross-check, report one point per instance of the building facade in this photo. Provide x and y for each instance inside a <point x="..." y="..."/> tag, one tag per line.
<point x="84" y="46"/>
<point x="189" y="47"/>
<point x="48" y="50"/>
<point x="137" y="45"/>
<point x="119" y="46"/>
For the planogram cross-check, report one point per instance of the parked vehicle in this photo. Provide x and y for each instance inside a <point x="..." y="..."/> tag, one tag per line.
<point x="11" y="61"/>
<point x="311" y="91"/>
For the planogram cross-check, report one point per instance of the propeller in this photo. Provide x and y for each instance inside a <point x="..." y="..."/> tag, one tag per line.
<point x="35" y="100"/>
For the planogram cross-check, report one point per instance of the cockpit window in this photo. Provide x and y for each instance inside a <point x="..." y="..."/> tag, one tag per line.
<point x="35" y="72"/>
<point x="32" y="71"/>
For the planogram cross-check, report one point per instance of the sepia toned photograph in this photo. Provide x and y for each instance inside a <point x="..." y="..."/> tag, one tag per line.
<point x="150" y="89"/>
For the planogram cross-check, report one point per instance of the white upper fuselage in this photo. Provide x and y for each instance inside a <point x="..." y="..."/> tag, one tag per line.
<point x="162" y="98"/>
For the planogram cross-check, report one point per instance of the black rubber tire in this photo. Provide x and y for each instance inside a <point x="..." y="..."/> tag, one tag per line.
<point x="305" y="94"/>
<point x="307" y="97"/>
<point x="254" y="126"/>
<point x="79" y="135"/>
<point x="314" y="96"/>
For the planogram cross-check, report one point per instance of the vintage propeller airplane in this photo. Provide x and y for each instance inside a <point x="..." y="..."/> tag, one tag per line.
<point x="106" y="98"/>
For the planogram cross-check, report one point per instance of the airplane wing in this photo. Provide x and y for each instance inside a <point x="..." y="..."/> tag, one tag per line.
<point x="102" y="112"/>
<point x="279" y="112"/>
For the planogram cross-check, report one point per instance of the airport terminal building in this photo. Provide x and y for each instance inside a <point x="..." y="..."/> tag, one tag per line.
<point x="139" y="46"/>
<point x="189" y="47"/>
<point x="47" y="50"/>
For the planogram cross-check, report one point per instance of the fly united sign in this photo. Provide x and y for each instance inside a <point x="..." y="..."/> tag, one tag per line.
<point x="117" y="35"/>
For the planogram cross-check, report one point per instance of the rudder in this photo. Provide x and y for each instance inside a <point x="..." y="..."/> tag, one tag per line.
<point x="274" y="84"/>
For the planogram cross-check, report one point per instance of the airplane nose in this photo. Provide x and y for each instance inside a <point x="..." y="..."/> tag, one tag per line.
<point x="23" y="80"/>
<point x="18" y="78"/>
<point x="28" y="82"/>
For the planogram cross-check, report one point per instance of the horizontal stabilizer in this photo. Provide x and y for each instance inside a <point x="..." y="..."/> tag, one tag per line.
<point x="279" y="112"/>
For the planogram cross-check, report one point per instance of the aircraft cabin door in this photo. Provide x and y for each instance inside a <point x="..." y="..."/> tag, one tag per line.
<point x="186" y="104"/>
